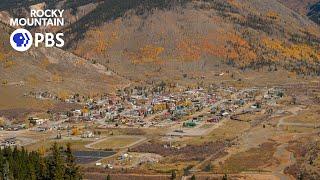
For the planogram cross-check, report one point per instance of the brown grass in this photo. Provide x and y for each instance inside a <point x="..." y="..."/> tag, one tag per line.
<point x="116" y="142"/>
<point x="250" y="160"/>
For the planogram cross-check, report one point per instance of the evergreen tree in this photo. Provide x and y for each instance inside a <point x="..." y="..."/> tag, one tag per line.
<point x="31" y="174"/>
<point x="225" y="177"/>
<point x="21" y="164"/>
<point x="6" y="171"/>
<point x="108" y="177"/>
<point x="173" y="175"/>
<point x="193" y="177"/>
<point x="55" y="163"/>
<point x="72" y="170"/>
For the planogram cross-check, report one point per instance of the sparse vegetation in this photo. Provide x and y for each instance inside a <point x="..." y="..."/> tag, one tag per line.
<point x="249" y="160"/>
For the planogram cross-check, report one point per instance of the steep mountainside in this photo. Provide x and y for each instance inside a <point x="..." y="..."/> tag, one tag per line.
<point x="177" y="37"/>
<point x="53" y="70"/>
<point x="300" y="6"/>
<point x="74" y="10"/>
<point x="314" y="13"/>
<point x="310" y="8"/>
<point x="111" y="44"/>
<point x="171" y="38"/>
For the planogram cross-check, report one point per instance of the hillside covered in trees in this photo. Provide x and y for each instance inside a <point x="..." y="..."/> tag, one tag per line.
<point x="171" y="36"/>
<point x="20" y="164"/>
<point x="149" y="34"/>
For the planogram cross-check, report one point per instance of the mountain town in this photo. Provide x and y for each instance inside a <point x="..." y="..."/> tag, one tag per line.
<point x="163" y="89"/>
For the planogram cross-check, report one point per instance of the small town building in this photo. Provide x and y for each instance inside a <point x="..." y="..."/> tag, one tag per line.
<point x="37" y="121"/>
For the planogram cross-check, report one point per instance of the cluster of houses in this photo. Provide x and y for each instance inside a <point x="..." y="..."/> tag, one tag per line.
<point x="143" y="108"/>
<point x="130" y="107"/>
<point x="150" y="107"/>
<point x="163" y="108"/>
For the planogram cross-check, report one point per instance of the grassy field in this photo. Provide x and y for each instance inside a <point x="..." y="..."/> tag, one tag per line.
<point x="250" y="160"/>
<point x="167" y="167"/>
<point x="132" y="131"/>
<point x="12" y="98"/>
<point x="297" y="129"/>
<point x="312" y="115"/>
<point x="250" y="117"/>
<point x="116" y="142"/>
<point x="75" y="144"/>
<point x="206" y="126"/>
<point x="228" y="130"/>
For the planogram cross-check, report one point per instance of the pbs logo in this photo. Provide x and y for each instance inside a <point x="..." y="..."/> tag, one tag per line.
<point x="21" y="40"/>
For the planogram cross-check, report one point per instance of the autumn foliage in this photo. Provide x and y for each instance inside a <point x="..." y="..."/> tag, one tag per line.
<point x="148" y="53"/>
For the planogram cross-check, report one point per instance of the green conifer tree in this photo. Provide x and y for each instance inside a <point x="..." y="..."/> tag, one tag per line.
<point x="56" y="167"/>
<point x="72" y="170"/>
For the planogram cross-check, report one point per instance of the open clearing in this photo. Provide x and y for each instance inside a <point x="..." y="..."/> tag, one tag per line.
<point x="75" y="144"/>
<point x="308" y="116"/>
<point x="227" y="129"/>
<point x="116" y="142"/>
<point x="250" y="160"/>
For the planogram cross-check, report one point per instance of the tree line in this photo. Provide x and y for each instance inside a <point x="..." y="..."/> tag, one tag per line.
<point x="20" y="164"/>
